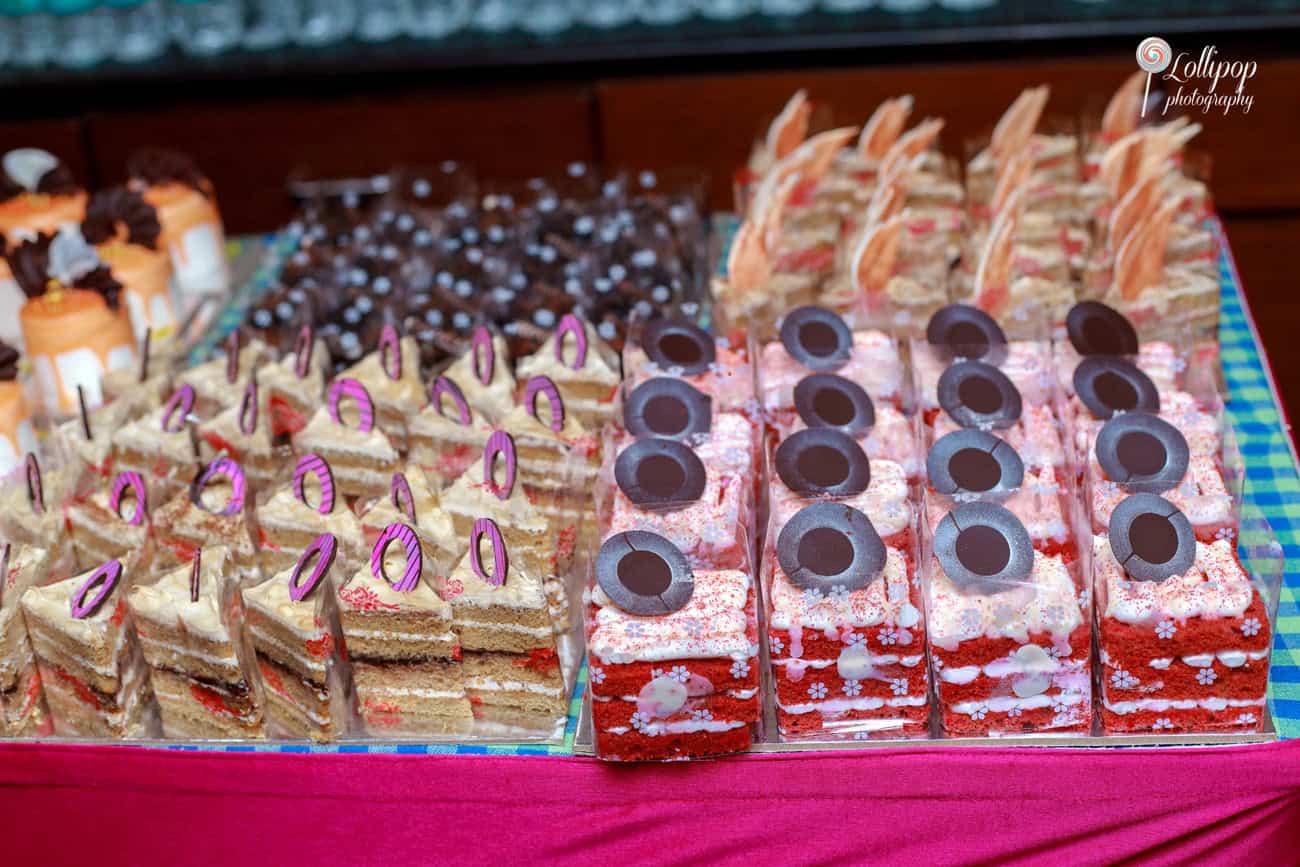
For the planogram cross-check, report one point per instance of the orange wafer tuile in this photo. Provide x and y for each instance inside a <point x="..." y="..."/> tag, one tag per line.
<point x="813" y="158"/>
<point x="770" y="210"/>
<point x="1016" y="126"/>
<point x="1124" y="108"/>
<point x="789" y="128"/>
<point x="1140" y="261"/>
<point x="1013" y="175"/>
<point x="874" y="257"/>
<point x="748" y="267"/>
<point x="886" y="201"/>
<point x="1140" y="201"/>
<point x="910" y="145"/>
<point x="993" y="276"/>
<point x="1128" y="160"/>
<point x="884" y="127"/>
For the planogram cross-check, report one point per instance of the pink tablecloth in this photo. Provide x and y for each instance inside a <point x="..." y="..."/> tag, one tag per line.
<point x="106" y="805"/>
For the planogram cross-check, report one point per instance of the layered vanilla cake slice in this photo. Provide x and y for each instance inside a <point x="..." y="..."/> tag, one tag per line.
<point x="218" y="383"/>
<point x="89" y="437"/>
<point x="216" y="510"/>
<point x="95" y="679"/>
<point x="485" y="376"/>
<point x="361" y="456"/>
<point x="405" y="655"/>
<point x="583" y="368"/>
<point x="411" y="500"/>
<point x="190" y="626"/>
<point x="22" y="703"/>
<point x="505" y="618"/>
<point x="293" y="621"/>
<point x="448" y="434"/>
<point x="391" y="375"/>
<point x="113" y="521"/>
<point x="160" y="446"/>
<point x="673" y="650"/>
<point x="243" y="433"/>
<point x="295" y="385"/>
<point x="300" y="512"/>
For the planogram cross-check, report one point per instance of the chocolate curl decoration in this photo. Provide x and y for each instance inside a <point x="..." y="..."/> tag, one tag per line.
<point x="399" y="490"/>
<point x="144" y="354"/>
<point x="35" y="491"/>
<point x="8" y="363"/>
<point x="85" y="416"/>
<point x="314" y="464"/>
<point x="30" y="264"/>
<point x="182" y="402"/>
<point x="303" y="347"/>
<point x="500" y="561"/>
<point x="120" y="211"/>
<point x="542" y="385"/>
<point x="238" y="487"/>
<point x="482" y="354"/>
<point x="103" y="580"/>
<point x="194" y="574"/>
<point x="444" y="386"/>
<point x="365" y="406"/>
<point x="414" y="556"/>
<point x="135" y="482"/>
<point x="499" y="444"/>
<point x="232" y="356"/>
<point x="390" y="352"/>
<point x="248" y="409"/>
<point x="571" y="326"/>
<point x="323" y="550"/>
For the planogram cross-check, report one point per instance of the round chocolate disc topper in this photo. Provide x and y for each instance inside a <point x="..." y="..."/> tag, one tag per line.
<point x="829" y="546"/>
<point x="487" y="528"/>
<point x="238" y="487"/>
<point x="322" y="551"/>
<point x="823" y="462"/>
<point x="1098" y="329"/>
<point x="674" y="344"/>
<point x="983" y="548"/>
<point x="660" y="474"/>
<point x="667" y="407"/>
<point x="406" y="537"/>
<point x="1108" y="386"/>
<point x="1151" y="539"/>
<point x="100" y="583"/>
<point x="817" y="338"/>
<point x="828" y="400"/>
<point x="978" y="395"/>
<point x="444" y="385"/>
<point x="962" y="331"/>
<point x="974" y="462"/>
<point x="644" y="573"/>
<point x="1142" y="452"/>
<point x="35" y="488"/>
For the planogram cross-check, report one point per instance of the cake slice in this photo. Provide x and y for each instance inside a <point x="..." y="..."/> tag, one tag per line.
<point x="160" y="446"/>
<point x="32" y="507"/>
<point x="448" y="434"/>
<point x="405" y="655"/>
<point x="391" y="375"/>
<point x="191" y="631"/>
<point x="95" y="450"/>
<point x="295" y="385"/>
<point x="484" y="374"/>
<point x="243" y="432"/>
<point x="359" y="453"/>
<point x="299" y="512"/>
<point x="411" y="500"/>
<point x="214" y="511"/>
<point x="218" y="383"/>
<point x="22" y="703"/>
<point x="95" y="678"/>
<point x="583" y="368"/>
<point x="294" y="624"/>
<point x="111" y="522"/>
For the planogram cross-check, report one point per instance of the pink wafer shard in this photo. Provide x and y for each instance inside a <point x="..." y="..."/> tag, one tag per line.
<point x="133" y="482"/>
<point x="102" y="581"/>
<point x="884" y="127"/>
<point x="748" y="268"/>
<point x="543" y="386"/>
<point x="570" y="329"/>
<point x="238" y="486"/>
<point x="1013" y="175"/>
<point x="812" y="159"/>
<point x="443" y="386"/>
<point x="500" y="561"/>
<point x="499" y="444"/>
<point x="35" y="489"/>
<point x="322" y="550"/>
<point x="180" y="404"/>
<point x="405" y="536"/>
<point x="399" y="492"/>
<point x="365" y="406"/>
<point x="1140" y="262"/>
<point x="1016" y="126"/>
<point x="1124" y="109"/>
<point x="390" y="352"/>
<point x="875" y="256"/>
<point x="789" y="128"/>
<point x="484" y="355"/>
<point x="314" y="465"/>
<point x="886" y="201"/>
<point x="993" y="276"/>
<point x="909" y="146"/>
<point x="1140" y="202"/>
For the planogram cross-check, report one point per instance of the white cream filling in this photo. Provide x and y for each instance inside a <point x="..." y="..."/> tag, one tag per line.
<point x="35" y="631"/>
<point x="842" y="705"/>
<point x="1004" y="703"/>
<point x="411" y="691"/>
<point x="538" y="632"/>
<point x="305" y="661"/>
<point x="1159" y="705"/>
<point x="387" y="635"/>
<point x="881" y="659"/>
<point x="685" y="726"/>
<point x="229" y="662"/>
<point x="1230" y="658"/>
<point x="491" y="684"/>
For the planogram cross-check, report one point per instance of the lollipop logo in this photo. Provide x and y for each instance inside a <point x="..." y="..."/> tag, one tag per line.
<point x="1153" y="56"/>
<point x="1199" y="78"/>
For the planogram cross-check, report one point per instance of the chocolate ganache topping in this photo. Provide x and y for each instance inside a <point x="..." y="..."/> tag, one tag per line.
<point x="30" y="263"/>
<point x="121" y="210"/>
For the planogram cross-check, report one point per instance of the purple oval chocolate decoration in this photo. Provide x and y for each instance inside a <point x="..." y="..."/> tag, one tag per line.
<point x="390" y="352"/>
<point x="133" y="481"/>
<point x="356" y="391"/>
<point x="324" y="549"/>
<point x="232" y="356"/>
<point x="500" y="444"/>
<point x="399" y="490"/>
<point x="542" y="385"/>
<point x="482" y="354"/>
<point x="105" y="578"/>
<point x="414" y="556"/>
<point x="500" y="562"/>
<point x="302" y="350"/>
<point x="571" y="325"/>
<point x="182" y="400"/>
<point x="238" y="488"/>
<point x="248" y="409"/>
<point x="445" y="386"/>
<point x="317" y="466"/>
<point x="35" y="490"/>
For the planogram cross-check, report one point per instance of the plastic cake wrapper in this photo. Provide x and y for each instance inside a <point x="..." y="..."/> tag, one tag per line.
<point x="720" y="367"/>
<point x="22" y="705"/>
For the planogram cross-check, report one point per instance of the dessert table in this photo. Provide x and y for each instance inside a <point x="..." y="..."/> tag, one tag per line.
<point x="361" y="804"/>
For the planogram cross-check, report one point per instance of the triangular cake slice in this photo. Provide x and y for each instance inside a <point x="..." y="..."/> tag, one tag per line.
<point x="582" y="366"/>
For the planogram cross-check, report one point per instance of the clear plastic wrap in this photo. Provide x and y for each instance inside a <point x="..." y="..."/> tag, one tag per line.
<point x="22" y="703"/>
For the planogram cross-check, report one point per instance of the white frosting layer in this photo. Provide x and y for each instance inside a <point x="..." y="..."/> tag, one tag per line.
<point x="885" y="600"/>
<point x="843" y="705"/>
<point x="491" y="684"/>
<point x="1043" y="602"/>
<point x="1159" y="705"/>
<point x="1214" y="587"/>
